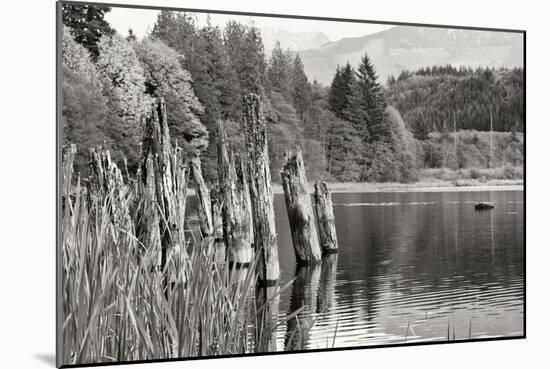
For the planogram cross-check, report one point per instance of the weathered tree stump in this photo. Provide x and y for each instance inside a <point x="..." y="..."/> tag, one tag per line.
<point x="299" y="209"/>
<point x="163" y="183"/>
<point x="325" y="218"/>
<point x="261" y="193"/>
<point x="236" y="203"/>
<point x="203" y="198"/>
<point x="217" y="223"/>
<point x="68" y="160"/>
<point x="106" y="182"/>
<point x="243" y="188"/>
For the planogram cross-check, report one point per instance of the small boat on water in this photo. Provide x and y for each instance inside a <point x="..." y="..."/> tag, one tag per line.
<point x="483" y="206"/>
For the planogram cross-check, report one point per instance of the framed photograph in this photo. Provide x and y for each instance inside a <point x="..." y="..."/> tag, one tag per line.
<point x="235" y="184"/>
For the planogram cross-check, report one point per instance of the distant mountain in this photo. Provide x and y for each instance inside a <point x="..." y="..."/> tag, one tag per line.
<point x="408" y="47"/>
<point x="292" y="40"/>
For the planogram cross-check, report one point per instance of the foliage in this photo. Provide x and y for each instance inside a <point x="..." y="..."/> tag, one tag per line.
<point x="352" y="130"/>
<point x="433" y="99"/>
<point x="87" y="24"/>
<point x="123" y="77"/>
<point x="88" y="116"/>
<point x="165" y="77"/>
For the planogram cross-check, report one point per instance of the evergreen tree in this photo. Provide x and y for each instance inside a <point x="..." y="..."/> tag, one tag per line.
<point x="301" y="89"/>
<point x="246" y="51"/>
<point x="430" y="96"/>
<point x="177" y="30"/>
<point x="341" y="90"/>
<point x="87" y="24"/>
<point x="372" y="104"/>
<point x="279" y="71"/>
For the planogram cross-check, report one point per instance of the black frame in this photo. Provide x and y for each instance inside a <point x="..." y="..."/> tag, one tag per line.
<point x="59" y="142"/>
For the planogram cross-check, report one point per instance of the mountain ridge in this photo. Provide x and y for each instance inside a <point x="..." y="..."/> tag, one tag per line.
<point x="412" y="47"/>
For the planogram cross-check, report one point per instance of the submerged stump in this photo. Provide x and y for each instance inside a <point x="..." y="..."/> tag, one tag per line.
<point x="300" y="210"/>
<point x="325" y="218"/>
<point x="261" y="193"/>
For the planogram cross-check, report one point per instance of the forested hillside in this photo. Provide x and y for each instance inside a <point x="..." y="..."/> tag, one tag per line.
<point x="434" y="98"/>
<point x="356" y="129"/>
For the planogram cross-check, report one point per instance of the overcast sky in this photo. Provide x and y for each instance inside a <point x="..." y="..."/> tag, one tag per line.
<point x="140" y="20"/>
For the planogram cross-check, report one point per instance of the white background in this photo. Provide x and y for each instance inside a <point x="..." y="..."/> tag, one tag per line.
<point x="27" y="177"/>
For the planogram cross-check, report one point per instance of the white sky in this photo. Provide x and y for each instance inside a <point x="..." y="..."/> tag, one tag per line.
<point x="140" y="20"/>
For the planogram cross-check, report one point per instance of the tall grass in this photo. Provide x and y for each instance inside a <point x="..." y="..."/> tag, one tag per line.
<point x="118" y="305"/>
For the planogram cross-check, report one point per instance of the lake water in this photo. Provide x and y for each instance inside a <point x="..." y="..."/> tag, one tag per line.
<point x="411" y="267"/>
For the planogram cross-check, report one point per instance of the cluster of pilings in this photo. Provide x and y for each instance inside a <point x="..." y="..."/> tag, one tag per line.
<point x="242" y="208"/>
<point x="237" y="214"/>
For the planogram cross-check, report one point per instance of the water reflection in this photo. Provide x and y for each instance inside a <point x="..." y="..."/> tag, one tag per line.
<point x="303" y="299"/>
<point x="267" y="312"/>
<point x="325" y="296"/>
<point x="411" y="266"/>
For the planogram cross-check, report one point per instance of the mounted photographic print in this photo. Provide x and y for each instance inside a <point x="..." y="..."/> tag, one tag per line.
<point x="238" y="184"/>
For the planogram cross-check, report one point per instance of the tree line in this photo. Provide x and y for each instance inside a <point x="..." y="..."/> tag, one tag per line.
<point x="351" y="130"/>
<point x="432" y="99"/>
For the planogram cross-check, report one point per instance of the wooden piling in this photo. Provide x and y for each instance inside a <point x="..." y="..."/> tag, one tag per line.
<point x="261" y="193"/>
<point x="299" y="209"/>
<point x="217" y="223"/>
<point x="325" y="218"/>
<point x="235" y="194"/>
<point x="106" y="181"/>
<point x="163" y="184"/>
<point x="203" y="198"/>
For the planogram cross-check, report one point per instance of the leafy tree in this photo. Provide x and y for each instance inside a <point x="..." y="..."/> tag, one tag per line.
<point x="84" y="116"/>
<point x="123" y="77"/>
<point x="87" y="118"/>
<point x="76" y="58"/>
<point x="87" y="24"/>
<point x="165" y="77"/>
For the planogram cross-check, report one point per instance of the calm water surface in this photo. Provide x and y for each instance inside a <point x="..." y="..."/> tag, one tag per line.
<point x="410" y="267"/>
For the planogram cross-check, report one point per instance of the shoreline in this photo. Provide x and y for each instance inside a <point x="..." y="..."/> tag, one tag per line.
<point x="421" y="186"/>
<point x="439" y="186"/>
